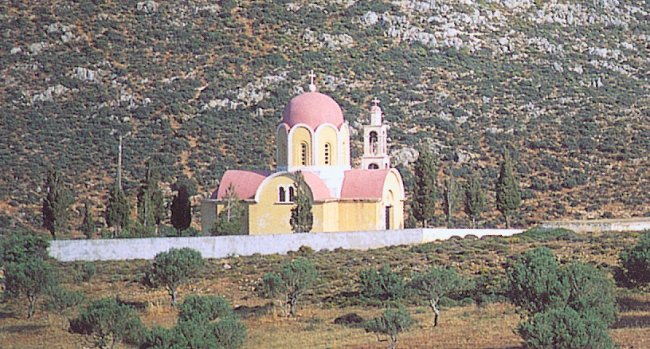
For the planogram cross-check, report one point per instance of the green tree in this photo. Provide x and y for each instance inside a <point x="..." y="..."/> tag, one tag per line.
<point x="536" y="282"/>
<point x="110" y="321"/>
<point x="117" y="210"/>
<point x="173" y="268"/>
<point x="22" y="246"/>
<point x="302" y="217"/>
<point x="56" y="203"/>
<point x="508" y="194"/>
<point x="88" y="224"/>
<point x="151" y="205"/>
<point x="475" y="202"/>
<point x="635" y="261"/>
<point x="181" y="208"/>
<point x="435" y="284"/>
<point x="424" y="197"/>
<point x="230" y="220"/>
<point x="382" y="284"/>
<point x="591" y="292"/>
<point x="31" y="278"/>
<point x="564" y="328"/>
<point x="391" y="324"/>
<point x="292" y="281"/>
<point x="410" y="221"/>
<point x="450" y="199"/>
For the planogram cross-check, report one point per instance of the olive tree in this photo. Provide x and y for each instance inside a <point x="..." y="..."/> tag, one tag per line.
<point x="173" y="268"/>
<point x="292" y="281"/>
<point x="31" y="278"/>
<point x="635" y="261"/>
<point x="436" y="283"/>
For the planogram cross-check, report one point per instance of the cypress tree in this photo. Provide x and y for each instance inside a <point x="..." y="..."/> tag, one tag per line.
<point x="151" y="206"/>
<point x="88" y="224"/>
<point x="117" y="210"/>
<point x="474" y="199"/>
<point x="508" y="194"/>
<point x="56" y="203"/>
<point x="181" y="209"/>
<point x="450" y="199"/>
<point x="424" y="199"/>
<point x="302" y="217"/>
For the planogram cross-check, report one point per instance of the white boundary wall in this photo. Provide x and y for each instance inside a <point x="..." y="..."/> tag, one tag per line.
<point x="246" y="245"/>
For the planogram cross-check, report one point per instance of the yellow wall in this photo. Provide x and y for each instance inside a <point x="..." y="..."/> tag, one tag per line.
<point x="359" y="215"/>
<point x="267" y="216"/>
<point x="300" y="135"/>
<point x="392" y="196"/>
<point x="326" y="135"/>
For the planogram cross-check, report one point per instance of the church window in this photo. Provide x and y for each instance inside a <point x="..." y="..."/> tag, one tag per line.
<point x="327" y="153"/>
<point x="373" y="142"/>
<point x="291" y="194"/>
<point x="304" y="154"/>
<point x="373" y="166"/>
<point x="282" y="195"/>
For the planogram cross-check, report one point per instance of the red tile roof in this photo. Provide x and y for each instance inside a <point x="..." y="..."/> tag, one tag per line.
<point x="245" y="182"/>
<point x="364" y="184"/>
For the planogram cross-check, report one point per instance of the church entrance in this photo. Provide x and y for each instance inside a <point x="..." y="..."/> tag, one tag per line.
<point x="387" y="213"/>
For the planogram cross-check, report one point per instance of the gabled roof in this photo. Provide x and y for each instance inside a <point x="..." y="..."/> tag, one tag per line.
<point x="364" y="184"/>
<point x="245" y="183"/>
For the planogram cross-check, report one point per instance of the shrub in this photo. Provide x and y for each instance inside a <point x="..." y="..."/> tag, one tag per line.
<point x="19" y="247"/>
<point x="635" y="261"/>
<point x="172" y="269"/>
<point x="391" y="323"/>
<point x="350" y="319"/>
<point x="110" y="321"/>
<point x="564" y="328"/>
<point x="550" y="234"/>
<point x="84" y="272"/>
<point x="382" y="284"/>
<point x="62" y="299"/>
<point x="204" y="308"/>
<point x="31" y="278"/>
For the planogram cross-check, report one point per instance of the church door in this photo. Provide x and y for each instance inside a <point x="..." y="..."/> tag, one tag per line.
<point x="387" y="214"/>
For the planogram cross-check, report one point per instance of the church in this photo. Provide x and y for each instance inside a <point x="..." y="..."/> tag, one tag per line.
<point x="314" y="138"/>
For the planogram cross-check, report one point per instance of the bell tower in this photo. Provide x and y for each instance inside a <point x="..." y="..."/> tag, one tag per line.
<point x="375" y="150"/>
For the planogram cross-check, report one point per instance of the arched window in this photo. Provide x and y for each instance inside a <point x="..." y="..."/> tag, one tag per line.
<point x="282" y="194"/>
<point x="328" y="149"/>
<point x="373" y="142"/>
<point x="373" y="166"/>
<point x="304" y="154"/>
<point x="291" y="194"/>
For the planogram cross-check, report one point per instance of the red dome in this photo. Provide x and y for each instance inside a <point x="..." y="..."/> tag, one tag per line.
<point x="313" y="109"/>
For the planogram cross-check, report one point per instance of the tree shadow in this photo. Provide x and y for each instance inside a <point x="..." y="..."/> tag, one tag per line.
<point x="633" y="321"/>
<point x="7" y="315"/>
<point x="343" y="298"/>
<point x="23" y="328"/>
<point x="632" y="304"/>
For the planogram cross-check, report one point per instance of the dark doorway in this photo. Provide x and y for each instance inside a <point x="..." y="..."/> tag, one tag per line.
<point x="387" y="214"/>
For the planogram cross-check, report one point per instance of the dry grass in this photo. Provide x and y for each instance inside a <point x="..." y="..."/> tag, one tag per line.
<point x="491" y="326"/>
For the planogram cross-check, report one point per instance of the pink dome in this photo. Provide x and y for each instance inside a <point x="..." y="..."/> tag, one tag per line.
<point x="313" y="109"/>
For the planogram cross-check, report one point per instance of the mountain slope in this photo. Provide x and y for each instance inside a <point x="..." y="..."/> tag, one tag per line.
<point x="201" y="86"/>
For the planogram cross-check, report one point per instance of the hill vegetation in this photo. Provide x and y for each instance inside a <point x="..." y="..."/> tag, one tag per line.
<point x="198" y="87"/>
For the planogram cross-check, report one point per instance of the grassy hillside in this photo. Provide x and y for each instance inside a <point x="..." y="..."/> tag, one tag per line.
<point x="201" y="85"/>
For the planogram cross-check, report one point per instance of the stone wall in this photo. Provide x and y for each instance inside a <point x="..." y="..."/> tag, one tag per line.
<point x="601" y="225"/>
<point x="245" y="245"/>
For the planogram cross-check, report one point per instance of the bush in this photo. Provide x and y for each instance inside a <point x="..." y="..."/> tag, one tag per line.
<point x="350" y="320"/>
<point x="62" y="299"/>
<point x="564" y="328"/>
<point x="110" y="321"/>
<point x="31" y="278"/>
<point x="19" y="247"/>
<point x="204" y="308"/>
<point x="635" y="261"/>
<point x="84" y="272"/>
<point x="382" y="284"/>
<point x="391" y="323"/>
<point x="550" y="234"/>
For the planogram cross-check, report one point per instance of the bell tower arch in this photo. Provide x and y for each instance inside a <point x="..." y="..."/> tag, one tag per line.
<point x="375" y="139"/>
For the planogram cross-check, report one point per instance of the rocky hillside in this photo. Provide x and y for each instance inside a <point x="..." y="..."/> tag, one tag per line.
<point x="199" y="87"/>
